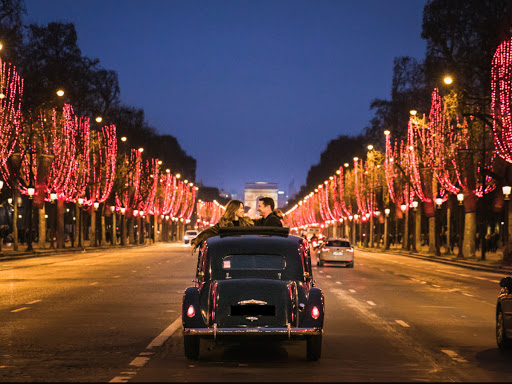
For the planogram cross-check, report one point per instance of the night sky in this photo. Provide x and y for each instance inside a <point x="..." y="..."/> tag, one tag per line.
<point x="253" y="90"/>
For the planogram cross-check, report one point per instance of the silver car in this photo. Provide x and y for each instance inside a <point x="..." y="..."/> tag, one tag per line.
<point x="338" y="251"/>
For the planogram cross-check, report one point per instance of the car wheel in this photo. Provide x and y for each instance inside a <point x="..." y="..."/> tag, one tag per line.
<point x="501" y="338"/>
<point x="317" y="263"/>
<point x="321" y="263"/>
<point x="314" y="347"/>
<point x="351" y="265"/>
<point x="192" y="344"/>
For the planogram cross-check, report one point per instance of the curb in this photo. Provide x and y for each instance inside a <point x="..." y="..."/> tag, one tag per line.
<point x="460" y="263"/>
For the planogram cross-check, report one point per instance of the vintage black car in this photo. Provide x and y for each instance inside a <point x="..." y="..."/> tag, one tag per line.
<point x="504" y="315"/>
<point x="253" y="282"/>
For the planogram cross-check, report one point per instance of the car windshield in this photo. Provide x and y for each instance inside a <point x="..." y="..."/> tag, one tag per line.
<point x="337" y="243"/>
<point x="253" y="262"/>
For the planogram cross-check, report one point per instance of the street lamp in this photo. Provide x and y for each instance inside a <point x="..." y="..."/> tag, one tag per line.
<point x="506" y="251"/>
<point x="414" y="209"/>
<point x="403" y="207"/>
<point x="114" y="231"/>
<point x="439" y="203"/>
<point x="31" y="191"/>
<point x="460" y="199"/>
<point x="448" y="80"/>
<point x="386" y="228"/>
<point x="53" y="197"/>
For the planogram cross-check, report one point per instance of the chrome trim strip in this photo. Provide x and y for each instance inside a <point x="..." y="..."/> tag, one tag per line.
<point x="252" y="301"/>
<point x="263" y="331"/>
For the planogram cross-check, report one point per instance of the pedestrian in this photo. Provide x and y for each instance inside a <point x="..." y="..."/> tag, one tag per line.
<point x="270" y="217"/>
<point x="234" y="216"/>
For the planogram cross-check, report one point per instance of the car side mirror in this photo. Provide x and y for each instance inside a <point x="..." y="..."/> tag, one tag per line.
<point x="506" y="282"/>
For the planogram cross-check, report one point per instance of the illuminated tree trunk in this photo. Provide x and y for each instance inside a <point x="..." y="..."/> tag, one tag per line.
<point x="15" y="219"/>
<point x="432" y="234"/>
<point x="93" y="238"/>
<point x="469" y="241"/>
<point x="102" y="225"/>
<point x="418" y="229"/>
<point x="60" y="223"/>
<point x="131" y="234"/>
<point x="448" y="230"/>
<point x="42" y="228"/>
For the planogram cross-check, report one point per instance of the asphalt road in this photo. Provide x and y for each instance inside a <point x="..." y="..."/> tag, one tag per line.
<point x="115" y="316"/>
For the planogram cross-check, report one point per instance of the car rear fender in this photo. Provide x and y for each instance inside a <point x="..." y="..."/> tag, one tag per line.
<point x="315" y="299"/>
<point x="191" y="297"/>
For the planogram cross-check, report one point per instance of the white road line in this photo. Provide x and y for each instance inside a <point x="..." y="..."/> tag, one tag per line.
<point x="352" y="290"/>
<point x="33" y="302"/>
<point x="423" y="282"/>
<point x="371" y="303"/>
<point x="161" y="338"/>
<point x="403" y="323"/>
<point x="20" y="309"/>
<point x="148" y="267"/>
<point x="139" y="361"/>
<point x="133" y="270"/>
<point x="480" y="278"/>
<point x="463" y="274"/>
<point x="435" y="285"/>
<point x="383" y="270"/>
<point x="494" y="281"/>
<point x="467" y="294"/>
<point x="454" y="355"/>
<point x="338" y="282"/>
<point x="115" y="277"/>
<point x="328" y="276"/>
<point x="120" y="379"/>
<point x="94" y="283"/>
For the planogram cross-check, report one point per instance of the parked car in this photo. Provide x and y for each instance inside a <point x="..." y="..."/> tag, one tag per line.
<point x="335" y="250"/>
<point x="190" y="235"/>
<point x="253" y="282"/>
<point x="504" y="315"/>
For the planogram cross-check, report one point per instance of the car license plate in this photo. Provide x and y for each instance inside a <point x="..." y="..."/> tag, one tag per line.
<point x="337" y="253"/>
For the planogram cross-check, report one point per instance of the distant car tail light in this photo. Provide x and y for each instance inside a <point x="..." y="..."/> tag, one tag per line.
<point x="349" y="249"/>
<point x="315" y="313"/>
<point x="191" y="312"/>
<point x="325" y="249"/>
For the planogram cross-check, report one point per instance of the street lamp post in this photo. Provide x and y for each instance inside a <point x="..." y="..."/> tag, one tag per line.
<point x="460" y="199"/>
<point x="31" y="191"/>
<point x="142" y="224"/>
<point x="414" y="209"/>
<point x="386" y="229"/>
<point x="506" y="248"/>
<point x="123" y="226"/>
<point x="403" y="207"/>
<point x="439" y="202"/>
<point x="114" y="230"/>
<point x="79" y="218"/>
<point x="53" y="225"/>
<point x="354" y="225"/>
<point x="94" y="230"/>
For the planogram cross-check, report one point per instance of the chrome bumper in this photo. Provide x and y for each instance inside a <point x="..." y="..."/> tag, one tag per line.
<point x="263" y="331"/>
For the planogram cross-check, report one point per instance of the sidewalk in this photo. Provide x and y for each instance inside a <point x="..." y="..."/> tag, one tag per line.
<point x="9" y="254"/>
<point x="492" y="262"/>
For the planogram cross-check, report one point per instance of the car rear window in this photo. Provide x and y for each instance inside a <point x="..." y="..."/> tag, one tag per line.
<point x="253" y="262"/>
<point x="337" y="243"/>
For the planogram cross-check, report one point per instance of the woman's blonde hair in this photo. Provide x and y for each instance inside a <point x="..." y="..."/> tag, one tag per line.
<point x="231" y="207"/>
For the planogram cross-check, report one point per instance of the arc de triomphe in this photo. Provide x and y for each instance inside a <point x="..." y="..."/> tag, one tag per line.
<point x="255" y="191"/>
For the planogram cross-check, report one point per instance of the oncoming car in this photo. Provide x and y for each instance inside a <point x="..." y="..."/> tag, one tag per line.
<point x="253" y="282"/>
<point x="336" y="251"/>
<point x="190" y="235"/>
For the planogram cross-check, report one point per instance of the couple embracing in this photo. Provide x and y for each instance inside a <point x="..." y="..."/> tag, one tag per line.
<point x="234" y="216"/>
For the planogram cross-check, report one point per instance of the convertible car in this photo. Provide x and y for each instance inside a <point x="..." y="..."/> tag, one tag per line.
<point x="253" y="282"/>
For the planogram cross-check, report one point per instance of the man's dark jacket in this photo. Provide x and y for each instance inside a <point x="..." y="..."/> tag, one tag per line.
<point x="272" y="220"/>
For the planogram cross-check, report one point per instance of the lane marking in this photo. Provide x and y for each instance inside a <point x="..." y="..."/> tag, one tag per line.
<point x="33" y="302"/>
<point x="423" y="282"/>
<point x="133" y="270"/>
<point x="115" y="277"/>
<point x="338" y="282"/>
<point x="161" y="338"/>
<point x="94" y="283"/>
<point x="20" y="309"/>
<point x="480" y="278"/>
<point x="139" y="361"/>
<point x="463" y="274"/>
<point x="494" y="281"/>
<point x="328" y="276"/>
<point x="454" y="355"/>
<point x="371" y="303"/>
<point x="403" y="323"/>
<point x="120" y="379"/>
<point x="352" y="290"/>
<point x="435" y="285"/>
<point x="467" y="294"/>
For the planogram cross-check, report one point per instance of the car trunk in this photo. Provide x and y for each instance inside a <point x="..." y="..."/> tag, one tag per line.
<point x="254" y="303"/>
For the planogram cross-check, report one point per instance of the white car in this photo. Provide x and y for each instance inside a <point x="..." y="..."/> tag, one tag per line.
<point x="190" y="235"/>
<point x="338" y="251"/>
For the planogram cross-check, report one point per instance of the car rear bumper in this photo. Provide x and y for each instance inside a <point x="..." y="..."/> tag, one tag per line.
<point x="288" y="333"/>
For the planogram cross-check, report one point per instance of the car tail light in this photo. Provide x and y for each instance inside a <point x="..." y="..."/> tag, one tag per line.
<point x="349" y="249"/>
<point x="325" y="249"/>
<point x="314" y="243"/>
<point x="315" y="313"/>
<point x="191" y="312"/>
